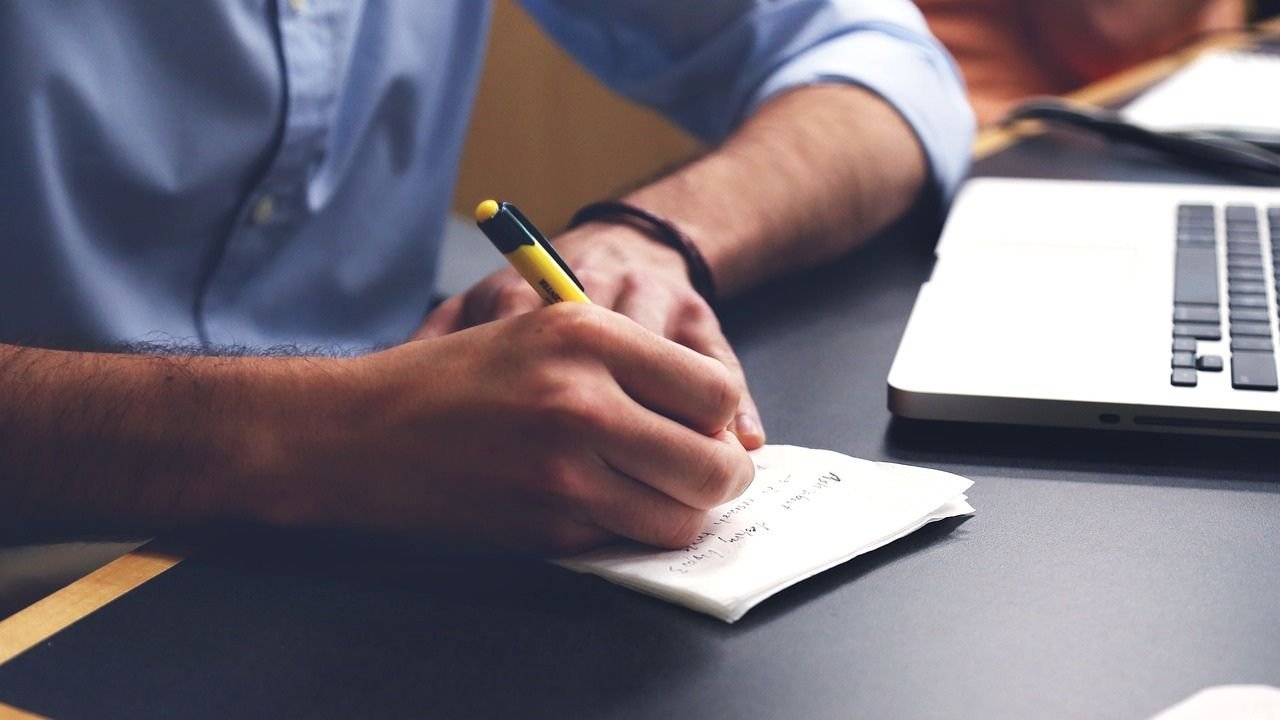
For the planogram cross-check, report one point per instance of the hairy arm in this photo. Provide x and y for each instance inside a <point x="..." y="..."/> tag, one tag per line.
<point x="598" y="430"/>
<point x="812" y="174"/>
<point x="101" y="442"/>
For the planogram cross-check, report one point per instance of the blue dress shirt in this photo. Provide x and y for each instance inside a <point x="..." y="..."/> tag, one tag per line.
<point x="263" y="172"/>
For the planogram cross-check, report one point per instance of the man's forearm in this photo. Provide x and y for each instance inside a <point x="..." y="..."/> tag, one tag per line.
<point x="108" y="441"/>
<point x="812" y="174"/>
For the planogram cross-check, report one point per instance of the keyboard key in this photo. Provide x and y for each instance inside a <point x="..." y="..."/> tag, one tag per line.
<point x="1248" y="301"/>
<point x="1197" y="232"/>
<point x="1251" y="275"/>
<point x="1196" y="313"/>
<point x="1238" y="262"/>
<point x="1201" y="331"/>
<point x="1252" y="329"/>
<point x="1184" y="360"/>
<point x="1240" y="212"/>
<point x="1250" y="315"/>
<point x="1206" y="226"/>
<point x="1209" y="363"/>
<point x="1247" y="344"/>
<point x="1196" y="243"/>
<point x="1253" y="371"/>
<point x="1184" y="344"/>
<point x="1247" y="288"/>
<point x="1196" y="276"/>
<point x="1242" y="249"/>
<point x="1183" y="377"/>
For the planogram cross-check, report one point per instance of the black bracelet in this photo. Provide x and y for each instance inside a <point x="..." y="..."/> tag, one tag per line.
<point x="658" y="228"/>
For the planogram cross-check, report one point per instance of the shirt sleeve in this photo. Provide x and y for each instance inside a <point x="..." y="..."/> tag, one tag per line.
<point x="707" y="65"/>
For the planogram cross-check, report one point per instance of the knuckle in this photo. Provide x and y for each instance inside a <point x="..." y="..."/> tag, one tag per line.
<point x="561" y="483"/>
<point x="695" y="308"/>
<point x="630" y="283"/>
<point x="594" y="280"/>
<point x="512" y="298"/>
<point x="579" y="327"/>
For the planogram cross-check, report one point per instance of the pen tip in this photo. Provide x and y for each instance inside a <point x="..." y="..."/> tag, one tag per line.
<point x="486" y="210"/>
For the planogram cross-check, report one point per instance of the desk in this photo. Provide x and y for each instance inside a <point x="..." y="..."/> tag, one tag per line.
<point x="1104" y="575"/>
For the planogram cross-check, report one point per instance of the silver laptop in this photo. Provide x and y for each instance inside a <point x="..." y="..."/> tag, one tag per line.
<point x="1099" y="305"/>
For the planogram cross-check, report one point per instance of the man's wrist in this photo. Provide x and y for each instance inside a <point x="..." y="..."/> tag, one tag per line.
<point x="297" y="411"/>
<point x="659" y="229"/>
<point x="601" y="244"/>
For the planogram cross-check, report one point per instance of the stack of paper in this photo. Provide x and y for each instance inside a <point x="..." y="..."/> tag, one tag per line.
<point x="806" y="511"/>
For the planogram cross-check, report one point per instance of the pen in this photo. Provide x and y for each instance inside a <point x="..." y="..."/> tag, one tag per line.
<point x="529" y="252"/>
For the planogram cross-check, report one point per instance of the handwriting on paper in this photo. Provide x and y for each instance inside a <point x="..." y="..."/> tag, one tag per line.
<point x="736" y="524"/>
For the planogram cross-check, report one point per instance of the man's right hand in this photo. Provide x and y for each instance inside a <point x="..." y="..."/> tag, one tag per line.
<point x="548" y="432"/>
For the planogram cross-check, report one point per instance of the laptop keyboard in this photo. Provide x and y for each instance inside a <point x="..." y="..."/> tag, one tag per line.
<point x="1197" y="297"/>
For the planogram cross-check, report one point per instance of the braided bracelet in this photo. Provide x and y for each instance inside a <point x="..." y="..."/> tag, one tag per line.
<point x="659" y="228"/>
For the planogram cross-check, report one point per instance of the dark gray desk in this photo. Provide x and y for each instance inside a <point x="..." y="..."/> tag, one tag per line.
<point x="1104" y="576"/>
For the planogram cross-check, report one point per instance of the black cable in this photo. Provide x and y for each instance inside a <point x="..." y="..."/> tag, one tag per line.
<point x="1207" y="150"/>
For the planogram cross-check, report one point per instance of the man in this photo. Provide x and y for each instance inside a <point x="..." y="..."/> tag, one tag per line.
<point x="241" y="177"/>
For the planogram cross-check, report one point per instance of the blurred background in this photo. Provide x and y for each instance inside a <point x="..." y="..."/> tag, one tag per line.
<point x="573" y="141"/>
<point x="570" y="141"/>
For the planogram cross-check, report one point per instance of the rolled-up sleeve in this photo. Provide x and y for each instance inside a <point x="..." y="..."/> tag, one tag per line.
<point x="707" y="65"/>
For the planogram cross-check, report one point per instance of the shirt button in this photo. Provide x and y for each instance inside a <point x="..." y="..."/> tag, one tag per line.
<point x="298" y="5"/>
<point x="263" y="209"/>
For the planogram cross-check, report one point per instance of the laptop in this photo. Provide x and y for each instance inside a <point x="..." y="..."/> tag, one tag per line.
<point x="1130" y="306"/>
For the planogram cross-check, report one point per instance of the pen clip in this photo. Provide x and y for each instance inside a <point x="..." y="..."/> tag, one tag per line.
<point x="539" y="238"/>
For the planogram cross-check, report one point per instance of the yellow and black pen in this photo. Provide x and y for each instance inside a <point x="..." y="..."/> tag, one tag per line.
<point x="529" y="252"/>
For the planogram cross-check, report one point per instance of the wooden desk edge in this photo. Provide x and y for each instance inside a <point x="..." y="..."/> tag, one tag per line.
<point x="35" y="624"/>
<point x="38" y="622"/>
<point x="9" y="712"/>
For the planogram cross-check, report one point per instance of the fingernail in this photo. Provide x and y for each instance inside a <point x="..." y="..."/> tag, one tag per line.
<point x="747" y="426"/>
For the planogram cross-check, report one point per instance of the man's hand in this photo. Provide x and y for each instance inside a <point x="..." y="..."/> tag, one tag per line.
<point x="551" y="431"/>
<point x="813" y="173"/>
<point x="548" y="432"/>
<point x="624" y="270"/>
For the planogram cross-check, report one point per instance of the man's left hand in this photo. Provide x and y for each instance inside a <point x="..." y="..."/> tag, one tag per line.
<point x="625" y="270"/>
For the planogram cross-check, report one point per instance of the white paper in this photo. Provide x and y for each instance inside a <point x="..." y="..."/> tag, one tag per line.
<point x="1220" y="90"/>
<point x="1228" y="702"/>
<point x="806" y="511"/>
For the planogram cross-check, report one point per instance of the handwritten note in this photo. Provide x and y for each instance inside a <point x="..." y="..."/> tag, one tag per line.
<point x="806" y="511"/>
